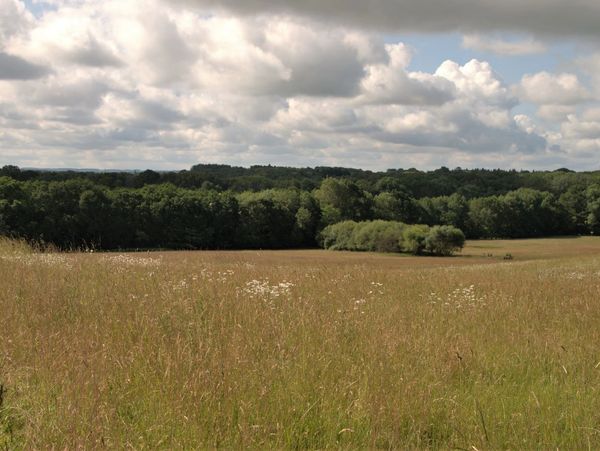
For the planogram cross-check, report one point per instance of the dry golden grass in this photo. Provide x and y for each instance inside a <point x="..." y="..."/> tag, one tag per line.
<point x="534" y="249"/>
<point x="302" y="349"/>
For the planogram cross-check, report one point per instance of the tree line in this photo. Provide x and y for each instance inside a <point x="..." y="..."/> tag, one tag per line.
<point x="470" y="183"/>
<point x="76" y="212"/>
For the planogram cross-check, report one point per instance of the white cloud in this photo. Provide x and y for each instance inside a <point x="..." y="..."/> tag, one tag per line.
<point x="592" y="114"/>
<point x="15" y="20"/>
<point x="392" y="83"/>
<point x="525" y="123"/>
<point x="581" y="128"/>
<point x="66" y="37"/>
<point x="477" y="120"/>
<point x="555" y="113"/>
<point x="135" y="83"/>
<point x="476" y="80"/>
<point x="553" y="89"/>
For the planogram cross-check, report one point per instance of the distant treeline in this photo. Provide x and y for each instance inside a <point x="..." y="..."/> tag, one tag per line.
<point x="222" y="207"/>
<point x="469" y="183"/>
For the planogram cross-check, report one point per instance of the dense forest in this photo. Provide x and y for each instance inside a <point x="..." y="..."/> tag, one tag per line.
<point x="224" y="207"/>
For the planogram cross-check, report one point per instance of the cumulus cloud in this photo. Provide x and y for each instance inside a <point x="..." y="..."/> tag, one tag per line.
<point x="592" y="114"/>
<point x="581" y="128"/>
<point x="578" y="17"/>
<point x="579" y="137"/>
<point x="392" y="83"/>
<point x="475" y="119"/>
<point x="555" y="113"/>
<point x="553" y="89"/>
<point x="66" y="38"/>
<point x="15" y="20"/>
<point x="503" y="47"/>
<point x="279" y="56"/>
<point x="132" y="83"/>
<point x="477" y="81"/>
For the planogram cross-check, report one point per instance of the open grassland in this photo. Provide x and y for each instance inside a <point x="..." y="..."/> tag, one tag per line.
<point x="302" y="349"/>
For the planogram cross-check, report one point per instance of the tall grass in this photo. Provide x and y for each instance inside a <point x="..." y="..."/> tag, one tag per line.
<point x="246" y="349"/>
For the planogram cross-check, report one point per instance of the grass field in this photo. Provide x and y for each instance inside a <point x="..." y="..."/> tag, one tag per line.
<point x="302" y="349"/>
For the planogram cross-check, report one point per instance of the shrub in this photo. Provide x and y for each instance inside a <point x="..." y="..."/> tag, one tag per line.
<point x="378" y="236"/>
<point x="444" y="240"/>
<point x="392" y="236"/>
<point x="413" y="238"/>
<point x="338" y="236"/>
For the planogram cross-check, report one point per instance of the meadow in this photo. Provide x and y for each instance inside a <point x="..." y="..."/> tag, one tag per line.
<point x="302" y="349"/>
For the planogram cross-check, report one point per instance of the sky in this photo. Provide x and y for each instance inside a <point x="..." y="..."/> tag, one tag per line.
<point x="372" y="84"/>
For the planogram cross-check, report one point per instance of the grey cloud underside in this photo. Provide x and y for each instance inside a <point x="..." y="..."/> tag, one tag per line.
<point x="152" y="116"/>
<point x="94" y="55"/>
<point x="328" y="74"/>
<point x="474" y="138"/>
<point x="16" y="68"/>
<point x="165" y="44"/>
<point x="84" y="94"/>
<point x="577" y="17"/>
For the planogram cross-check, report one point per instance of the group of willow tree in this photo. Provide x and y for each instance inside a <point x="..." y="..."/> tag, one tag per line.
<point x="222" y="207"/>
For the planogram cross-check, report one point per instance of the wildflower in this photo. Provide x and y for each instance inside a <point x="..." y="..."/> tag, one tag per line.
<point x="264" y="289"/>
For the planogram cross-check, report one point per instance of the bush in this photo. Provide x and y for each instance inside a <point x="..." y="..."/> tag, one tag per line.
<point x="392" y="236"/>
<point x="444" y="240"/>
<point x="378" y="236"/>
<point x="338" y="236"/>
<point x="413" y="239"/>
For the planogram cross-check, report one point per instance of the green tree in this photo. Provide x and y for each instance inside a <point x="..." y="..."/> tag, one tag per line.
<point x="341" y="200"/>
<point x="94" y="216"/>
<point x="395" y="206"/>
<point x="592" y="195"/>
<point x="574" y="203"/>
<point x="444" y="240"/>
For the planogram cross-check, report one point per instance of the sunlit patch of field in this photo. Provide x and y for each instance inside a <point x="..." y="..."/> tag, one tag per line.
<point x="302" y="348"/>
<point x="534" y="249"/>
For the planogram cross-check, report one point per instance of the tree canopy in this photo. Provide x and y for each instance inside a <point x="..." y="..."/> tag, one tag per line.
<point x="223" y="207"/>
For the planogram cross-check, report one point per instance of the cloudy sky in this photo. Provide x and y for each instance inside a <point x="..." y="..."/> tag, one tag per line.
<point x="165" y="84"/>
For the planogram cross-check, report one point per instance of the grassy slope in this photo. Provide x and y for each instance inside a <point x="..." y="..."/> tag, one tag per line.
<point x="217" y="349"/>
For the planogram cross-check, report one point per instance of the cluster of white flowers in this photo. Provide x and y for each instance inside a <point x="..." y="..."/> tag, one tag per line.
<point x="462" y="297"/>
<point x="214" y="276"/>
<point x="376" y="288"/>
<point x="130" y="260"/>
<point x="223" y="276"/>
<point x="570" y="273"/>
<point x="265" y="290"/>
<point x="39" y="259"/>
<point x="358" y="304"/>
<point x="312" y="273"/>
<point x="181" y="285"/>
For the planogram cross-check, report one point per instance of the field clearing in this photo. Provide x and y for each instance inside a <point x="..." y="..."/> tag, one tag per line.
<point x="475" y="252"/>
<point x="300" y="349"/>
<point x="535" y="249"/>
